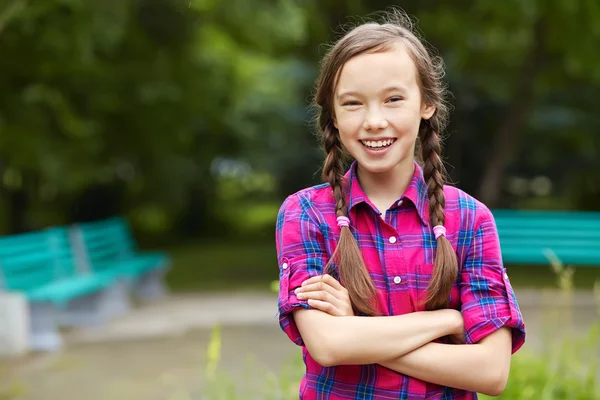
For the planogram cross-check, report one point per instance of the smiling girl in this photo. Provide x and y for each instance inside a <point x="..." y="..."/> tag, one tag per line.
<point x="391" y="281"/>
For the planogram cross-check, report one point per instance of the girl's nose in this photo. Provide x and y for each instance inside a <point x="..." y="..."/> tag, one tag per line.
<point x="375" y="121"/>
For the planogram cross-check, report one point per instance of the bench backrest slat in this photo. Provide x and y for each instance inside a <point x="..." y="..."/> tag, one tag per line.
<point x="30" y="260"/>
<point x="526" y="236"/>
<point x="105" y="241"/>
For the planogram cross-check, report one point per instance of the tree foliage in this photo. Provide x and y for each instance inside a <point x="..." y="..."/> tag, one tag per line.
<point x="118" y="105"/>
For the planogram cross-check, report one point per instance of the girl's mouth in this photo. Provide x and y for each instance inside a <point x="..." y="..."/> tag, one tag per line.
<point x="377" y="144"/>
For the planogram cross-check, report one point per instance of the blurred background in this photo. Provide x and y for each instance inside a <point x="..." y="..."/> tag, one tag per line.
<point x="193" y="119"/>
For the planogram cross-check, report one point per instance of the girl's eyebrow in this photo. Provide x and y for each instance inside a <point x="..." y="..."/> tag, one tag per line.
<point x="386" y="90"/>
<point x="395" y="89"/>
<point x="347" y="93"/>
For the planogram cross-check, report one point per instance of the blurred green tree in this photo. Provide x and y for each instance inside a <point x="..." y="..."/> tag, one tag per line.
<point x="120" y="106"/>
<point x="93" y="92"/>
<point x="520" y="59"/>
<point x="524" y="80"/>
<point x="137" y="95"/>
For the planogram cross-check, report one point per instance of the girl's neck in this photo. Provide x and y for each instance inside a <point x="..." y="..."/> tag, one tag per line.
<point x="384" y="188"/>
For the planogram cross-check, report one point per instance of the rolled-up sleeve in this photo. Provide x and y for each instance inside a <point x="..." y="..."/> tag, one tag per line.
<point x="488" y="299"/>
<point x="301" y="255"/>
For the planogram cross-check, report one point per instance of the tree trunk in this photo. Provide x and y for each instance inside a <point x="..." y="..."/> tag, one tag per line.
<point x="506" y="138"/>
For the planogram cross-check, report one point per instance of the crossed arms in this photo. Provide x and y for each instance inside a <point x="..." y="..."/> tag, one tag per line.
<point x="403" y="343"/>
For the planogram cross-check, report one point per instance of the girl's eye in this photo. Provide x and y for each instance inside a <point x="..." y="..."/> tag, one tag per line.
<point x="351" y="103"/>
<point x="395" y="99"/>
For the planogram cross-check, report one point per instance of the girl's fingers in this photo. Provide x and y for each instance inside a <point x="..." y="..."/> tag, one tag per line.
<point x="312" y="280"/>
<point x="320" y="287"/>
<point x="319" y="295"/>
<point x="325" y="307"/>
<point x="328" y="279"/>
<point x="331" y="281"/>
<point x="337" y="306"/>
<point x="326" y="290"/>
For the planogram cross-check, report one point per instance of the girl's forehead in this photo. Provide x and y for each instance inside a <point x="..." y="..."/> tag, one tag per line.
<point x="372" y="70"/>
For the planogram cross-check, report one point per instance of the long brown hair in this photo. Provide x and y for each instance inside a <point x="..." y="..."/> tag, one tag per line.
<point x="381" y="36"/>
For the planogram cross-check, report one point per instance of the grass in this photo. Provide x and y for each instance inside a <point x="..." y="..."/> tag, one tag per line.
<point x="250" y="265"/>
<point x="542" y="277"/>
<point x="223" y="265"/>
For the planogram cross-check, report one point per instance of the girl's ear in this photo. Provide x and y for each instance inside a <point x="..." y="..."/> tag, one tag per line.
<point x="427" y="111"/>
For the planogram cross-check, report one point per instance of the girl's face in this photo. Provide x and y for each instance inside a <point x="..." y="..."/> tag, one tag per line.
<point x="378" y="109"/>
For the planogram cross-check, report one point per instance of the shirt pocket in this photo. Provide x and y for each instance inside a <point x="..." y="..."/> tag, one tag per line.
<point x="418" y="291"/>
<point x="401" y="300"/>
<point x="423" y="274"/>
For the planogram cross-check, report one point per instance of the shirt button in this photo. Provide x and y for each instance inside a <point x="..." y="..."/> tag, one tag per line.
<point x="284" y="266"/>
<point x="392" y="240"/>
<point x="400" y="202"/>
<point x="397" y="280"/>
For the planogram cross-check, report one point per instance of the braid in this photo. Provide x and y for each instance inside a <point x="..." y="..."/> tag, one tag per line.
<point x="433" y="172"/>
<point x="445" y="270"/>
<point x="352" y="270"/>
<point x="332" y="169"/>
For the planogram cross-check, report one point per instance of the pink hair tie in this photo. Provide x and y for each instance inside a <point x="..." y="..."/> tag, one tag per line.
<point x="438" y="231"/>
<point x="343" y="221"/>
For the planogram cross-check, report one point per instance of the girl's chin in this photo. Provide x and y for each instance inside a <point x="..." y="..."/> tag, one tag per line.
<point x="384" y="164"/>
<point x="380" y="167"/>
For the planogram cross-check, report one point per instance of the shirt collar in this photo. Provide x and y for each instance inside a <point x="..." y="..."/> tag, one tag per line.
<point x="416" y="192"/>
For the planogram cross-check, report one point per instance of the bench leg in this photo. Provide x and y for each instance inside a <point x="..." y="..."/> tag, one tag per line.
<point x="118" y="302"/>
<point x="151" y="285"/>
<point x="97" y="308"/>
<point x="44" y="334"/>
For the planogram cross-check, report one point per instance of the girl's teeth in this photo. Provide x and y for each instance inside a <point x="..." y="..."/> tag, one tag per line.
<point x="377" y="144"/>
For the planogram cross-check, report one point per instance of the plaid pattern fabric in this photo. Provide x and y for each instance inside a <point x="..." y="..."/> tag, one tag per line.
<point x="399" y="253"/>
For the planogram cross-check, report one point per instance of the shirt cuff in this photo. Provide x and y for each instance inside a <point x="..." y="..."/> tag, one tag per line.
<point x="507" y="313"/>
<point x="288" y="302"/>
<point x="286" y="318"/>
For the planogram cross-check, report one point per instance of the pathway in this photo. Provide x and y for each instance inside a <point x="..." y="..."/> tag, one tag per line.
<point x="160" y="349"/>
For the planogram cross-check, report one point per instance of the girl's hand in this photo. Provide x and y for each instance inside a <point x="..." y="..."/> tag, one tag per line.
<point x="325" y="293"/>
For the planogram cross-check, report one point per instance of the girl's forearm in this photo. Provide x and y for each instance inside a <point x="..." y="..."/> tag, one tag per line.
<point x="334" y="340"/>
<point x="480" y="367"/>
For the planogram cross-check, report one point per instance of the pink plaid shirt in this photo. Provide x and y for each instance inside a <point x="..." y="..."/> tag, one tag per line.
<point x="399" y="254"/>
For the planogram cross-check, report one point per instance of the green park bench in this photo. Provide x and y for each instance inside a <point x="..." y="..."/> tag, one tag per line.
<point x="530" y="237"/>
<point x="41" y="265"/>
<point x="108" y="248"/>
